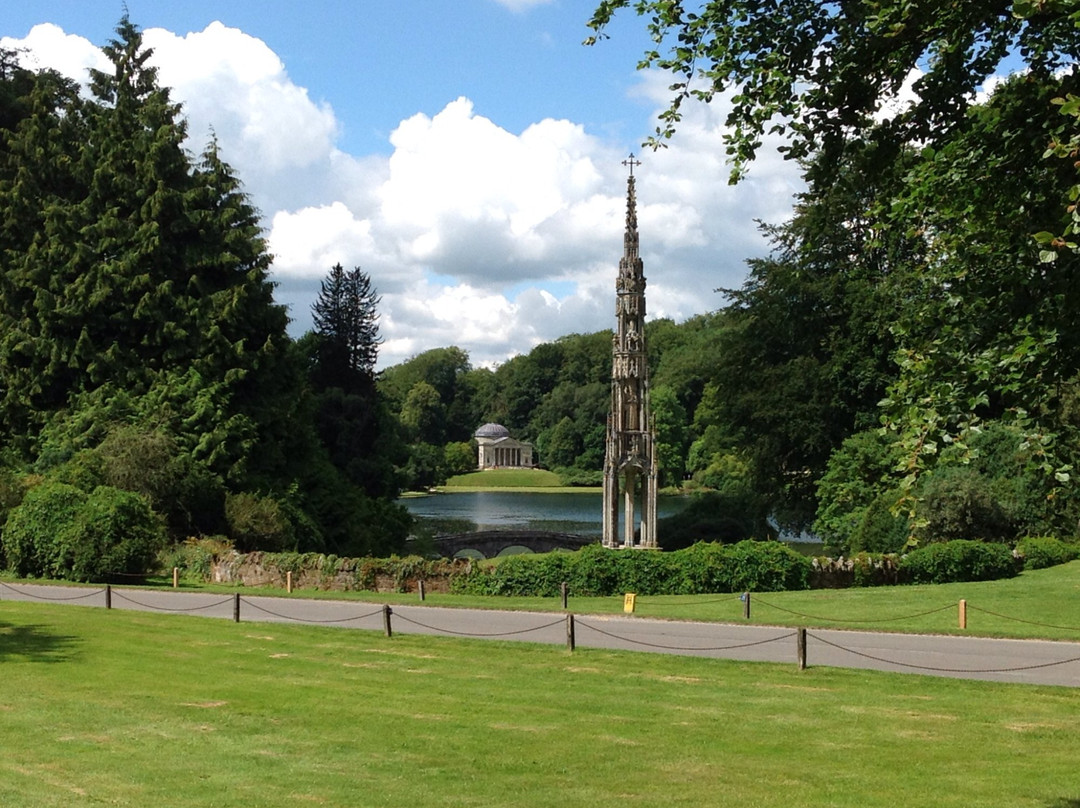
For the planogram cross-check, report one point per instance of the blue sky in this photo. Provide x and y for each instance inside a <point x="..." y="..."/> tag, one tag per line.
<point x="466" y="154"/>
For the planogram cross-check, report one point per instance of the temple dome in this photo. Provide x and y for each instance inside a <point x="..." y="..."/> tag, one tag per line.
<point x="492" y="431"/>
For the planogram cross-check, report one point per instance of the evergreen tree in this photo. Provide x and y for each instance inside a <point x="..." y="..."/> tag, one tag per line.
<point x="347" y="321"/>
<point x="135" y="283"/>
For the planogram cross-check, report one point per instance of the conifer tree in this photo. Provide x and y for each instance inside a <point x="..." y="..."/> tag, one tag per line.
<point x="346" y="320"/>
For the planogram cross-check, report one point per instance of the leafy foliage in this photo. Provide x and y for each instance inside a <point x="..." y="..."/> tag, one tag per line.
<point x="595" y="571"/>
<point x="62" y="532"/>
<point x="821" y="71"/>
<point x="140" y="344"/>
<point x="1040" y="552"/>
<point x="960" y="560"/>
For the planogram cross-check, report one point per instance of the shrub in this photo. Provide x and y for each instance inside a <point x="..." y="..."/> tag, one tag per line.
<point x="766" y="566"/>
<point x="258" y="523"/>
<point x="61" y="532"/>
<point x="594" y="571"/>
<point x="1039" y="552"/>
<point x="647" y="572"/>
<point x="957" y="503"/>
<point x="116" y="533"/>
<point x="873" y="569"/>
<point x="195" y="556"/>
<point x="880" y="530"/>
<point x="703" y="569"/>
<point x="960" y="560"/>
<point x="36" y="540"/>
<point x="715" y="516"/>
<point x="524" y="575"/>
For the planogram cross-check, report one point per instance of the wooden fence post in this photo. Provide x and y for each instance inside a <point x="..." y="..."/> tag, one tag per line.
<point x="236" y="608"/>
<point x="175" y="577"/>
<point x="108" y="596"/>
<point x="420" y="588"/>
<point x="800" y="643"/>
<point x="563" y="590"/>
<point x="288" y="581"/>
<point x="386" y="612"/>
<point x="570" y="643"/>
<point x="746" y="605"/>
<point x="963" y="613"/>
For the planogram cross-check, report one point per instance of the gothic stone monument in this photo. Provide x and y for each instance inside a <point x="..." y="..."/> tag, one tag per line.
<point x="630" y="453"/>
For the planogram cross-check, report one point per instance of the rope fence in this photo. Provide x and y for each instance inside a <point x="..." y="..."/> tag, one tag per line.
<point x="156" y="608"/>
<point x="757" y="599"/>
<point x="482" y="635"/>
<point x="626" y="639"/>
<point x="934" y="669"/>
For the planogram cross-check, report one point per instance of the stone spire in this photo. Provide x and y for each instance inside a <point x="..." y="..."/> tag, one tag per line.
<point x="630" y="478"/>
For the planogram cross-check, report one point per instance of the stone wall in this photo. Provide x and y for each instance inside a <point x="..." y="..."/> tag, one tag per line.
<point x="316" y="571"/>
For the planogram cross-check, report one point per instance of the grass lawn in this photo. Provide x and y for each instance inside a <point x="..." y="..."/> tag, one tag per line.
<point x="129" y="709"/>
<point x="527" y="480"/>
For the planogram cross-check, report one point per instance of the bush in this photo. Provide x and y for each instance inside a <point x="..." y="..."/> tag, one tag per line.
<point x="766" y="566"/>
<point x="880" y="530"/>
<point x="957" y="503"/>
<point x="35" y="536"/>
<point x="1039" y="552"/>
<point x="258" y="523"/>
<point x="116" y="533"/>
<point x="595" y="571"/>
<point x="703" y="569"/>
<point x="960" y="560"/>
<point x="519" y="576"/>
<point x="195" y="556"/>
<point x="62" y="532"/>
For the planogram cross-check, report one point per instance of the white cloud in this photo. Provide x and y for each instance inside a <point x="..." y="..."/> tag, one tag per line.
<point x="522" y="5"/>
<point x="474" y="235"/>
<point x="48" y="47"/>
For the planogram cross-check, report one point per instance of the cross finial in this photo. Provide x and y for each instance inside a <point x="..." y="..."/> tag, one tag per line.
<point x="630" y="161"/>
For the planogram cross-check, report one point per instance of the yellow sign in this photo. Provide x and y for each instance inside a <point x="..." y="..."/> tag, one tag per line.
<point x="628" y="602"/>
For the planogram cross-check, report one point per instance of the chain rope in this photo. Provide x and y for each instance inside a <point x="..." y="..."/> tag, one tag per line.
<point x="1021" y="620"/>
<point x="943" y="670"/>
<point x="471" y="634"/>
<point x="309" y="620"/>
<point x="855" y="620"/>
<point x="122" y="596"/>
<point x="683" y="648"/>
<point x="89" y="594"/>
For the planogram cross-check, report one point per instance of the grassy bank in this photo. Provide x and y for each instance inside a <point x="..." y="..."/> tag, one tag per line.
<point x="139" y="709"/>
<point x="537" y="480"/>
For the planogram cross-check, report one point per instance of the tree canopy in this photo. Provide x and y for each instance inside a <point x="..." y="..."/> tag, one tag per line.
<point x="819" y="72"/>
<point x="141" y="348"/>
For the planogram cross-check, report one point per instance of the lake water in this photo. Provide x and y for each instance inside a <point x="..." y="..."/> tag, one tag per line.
<point x="468" y="511"/>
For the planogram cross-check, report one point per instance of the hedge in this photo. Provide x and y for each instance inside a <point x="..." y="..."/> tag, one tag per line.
<point x="597" y="572"/>
<point x="1039" y="552"/>
<point x="958" y="560"/>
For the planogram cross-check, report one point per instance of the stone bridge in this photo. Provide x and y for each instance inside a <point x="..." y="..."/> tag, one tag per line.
<point x="490" y="543"/>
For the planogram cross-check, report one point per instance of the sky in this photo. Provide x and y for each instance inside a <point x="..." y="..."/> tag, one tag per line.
<point x="468" y="156"/>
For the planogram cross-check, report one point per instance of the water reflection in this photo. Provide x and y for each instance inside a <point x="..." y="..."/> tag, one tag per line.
<point x="468" y="511"/>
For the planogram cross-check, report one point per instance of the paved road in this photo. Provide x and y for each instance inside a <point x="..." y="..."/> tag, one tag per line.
<point x="1024" y="661"/>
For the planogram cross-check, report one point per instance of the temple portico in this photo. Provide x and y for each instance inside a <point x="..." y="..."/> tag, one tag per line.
<point x="498" y="450"/>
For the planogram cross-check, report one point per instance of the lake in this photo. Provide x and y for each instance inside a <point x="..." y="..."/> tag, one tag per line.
<point x="469" y="511"/>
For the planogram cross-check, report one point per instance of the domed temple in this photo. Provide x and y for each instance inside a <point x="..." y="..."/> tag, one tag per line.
<point x="499" y="450"/>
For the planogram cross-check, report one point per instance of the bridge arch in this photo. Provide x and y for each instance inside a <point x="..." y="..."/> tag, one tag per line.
<point x="493" y="543"/>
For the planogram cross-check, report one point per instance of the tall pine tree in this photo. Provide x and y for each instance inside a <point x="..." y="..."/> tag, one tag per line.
<point x="346" y="321"/>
